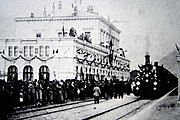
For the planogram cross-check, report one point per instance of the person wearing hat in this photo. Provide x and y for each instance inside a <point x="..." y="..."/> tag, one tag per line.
<point x="97" y="93"/>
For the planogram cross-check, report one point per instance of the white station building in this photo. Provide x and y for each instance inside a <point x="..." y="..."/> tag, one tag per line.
<point x="81" y="46"/>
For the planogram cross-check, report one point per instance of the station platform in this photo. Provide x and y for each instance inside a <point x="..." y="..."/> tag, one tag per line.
<point x="165" y="108"/>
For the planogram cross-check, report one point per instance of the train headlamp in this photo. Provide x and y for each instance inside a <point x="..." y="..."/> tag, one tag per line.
<point x="138" y="83"/>
<point x="155" y="75"/>
<point x="147" y="75"/>
<point x="155" y="88"/>
<point x="137" y="88"/>
<point x="147" y="80"/>
<point x="155" y="83"/>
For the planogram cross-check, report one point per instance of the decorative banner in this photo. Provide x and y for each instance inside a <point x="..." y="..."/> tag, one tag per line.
<point x="90" y="58"/>
<point x="20" y="56"/>
<point x="83" y="55"/>
<point x="80" y="60"/>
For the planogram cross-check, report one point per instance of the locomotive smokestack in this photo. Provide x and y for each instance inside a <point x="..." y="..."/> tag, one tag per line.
<point x="147" y="59"/>
<point x="155" y="63"/>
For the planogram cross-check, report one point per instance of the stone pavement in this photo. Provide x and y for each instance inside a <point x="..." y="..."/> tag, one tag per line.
<point x="165" y="108"/>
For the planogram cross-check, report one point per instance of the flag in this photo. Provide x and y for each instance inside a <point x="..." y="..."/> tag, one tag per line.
<point x="57" y="51"/>
<point x="111" y="44"/>
<point x="177" y="47"/>
<point x="63" y="31"/>
<point x="140" y="67"/>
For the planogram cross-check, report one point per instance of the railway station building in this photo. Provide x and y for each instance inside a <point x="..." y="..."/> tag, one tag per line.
<point x="80" y="45"/>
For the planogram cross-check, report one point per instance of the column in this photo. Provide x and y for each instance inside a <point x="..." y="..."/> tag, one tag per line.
<point x="178" y="60"/>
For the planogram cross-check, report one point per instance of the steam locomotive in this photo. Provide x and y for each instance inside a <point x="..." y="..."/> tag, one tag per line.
<point x="153" y="81"/>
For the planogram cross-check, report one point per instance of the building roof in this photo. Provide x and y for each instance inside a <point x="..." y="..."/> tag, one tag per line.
<point x="64" y="17"/>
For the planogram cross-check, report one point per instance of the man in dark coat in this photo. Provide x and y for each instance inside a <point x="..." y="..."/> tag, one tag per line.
<point x="96" y="94"/>
<point x="121" y="89"/>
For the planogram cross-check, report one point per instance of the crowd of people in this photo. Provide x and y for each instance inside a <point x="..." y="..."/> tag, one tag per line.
<point x="19" y="93"/>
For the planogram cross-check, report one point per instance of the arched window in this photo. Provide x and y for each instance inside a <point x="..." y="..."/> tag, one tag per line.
<point x="28" y="73"/>
<point x="12" y="73"/>
<point x="81" y="74"/>
<point x="44" y="73"/>
<point x="89" y="70"/>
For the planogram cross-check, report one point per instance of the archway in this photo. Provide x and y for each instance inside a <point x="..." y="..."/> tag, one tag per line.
<point x="44" y="73"/>
<point x="28" y="73"/>
<point x="12" y="73"/>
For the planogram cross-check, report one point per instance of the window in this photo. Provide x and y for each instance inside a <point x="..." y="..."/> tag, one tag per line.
<point x="12" y="73"/>
<point x="31" y="48"/>
<point x="60" y="34"/>
<point x="47" y="50"/>
<point x="85" y="70"/>
<point x="44" y="73"/>
<point x="28" y="73"/>
<point x="41" y="51"/>
<point x="88" y="36"/>
<point x="25" y="51"/>
<point x="15" y="51"/>
<point x="94" y="71"/>
<point x="38" y="35"/>
<point x="65" y="34"/>
<point x="10" y="51"/>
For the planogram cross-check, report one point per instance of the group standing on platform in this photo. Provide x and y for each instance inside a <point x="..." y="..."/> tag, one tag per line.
<point x="19" y="93"/>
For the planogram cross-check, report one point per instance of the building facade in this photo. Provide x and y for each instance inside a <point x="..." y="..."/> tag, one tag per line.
<point x="80" y="46"/>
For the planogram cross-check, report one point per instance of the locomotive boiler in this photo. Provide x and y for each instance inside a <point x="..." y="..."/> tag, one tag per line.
<point x="153" y="81"/>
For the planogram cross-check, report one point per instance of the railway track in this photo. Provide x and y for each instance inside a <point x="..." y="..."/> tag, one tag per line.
<point x="35" y="112"/>
<point x="113" y="109"/>
<point x="125" y="112"/>
<point x="59" y="109"/>
<point x="38" y="108"/>
<point x="119" y="112"/>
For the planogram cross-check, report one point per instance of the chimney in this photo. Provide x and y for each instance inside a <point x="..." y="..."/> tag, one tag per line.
<point x="60" y="5"/>
<point x="90" y="9"/>
<point x="32" y="15"/>
<point x="44" y="12"/>
<point x="75" y="11"/>
<point x="147" y="59"/>
<point x="53" y="9"/>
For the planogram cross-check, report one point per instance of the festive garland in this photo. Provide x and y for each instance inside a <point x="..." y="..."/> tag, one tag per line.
<point x="106" y="64"/>
<point x="80" y="60"/>
<point x="20" y="56"/>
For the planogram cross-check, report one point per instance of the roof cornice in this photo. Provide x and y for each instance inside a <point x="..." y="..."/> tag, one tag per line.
<point x="55" y="18"/>
<point x="66" y="18"/>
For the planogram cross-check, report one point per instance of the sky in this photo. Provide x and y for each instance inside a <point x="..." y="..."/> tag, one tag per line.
<point x="147" y="26"/>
